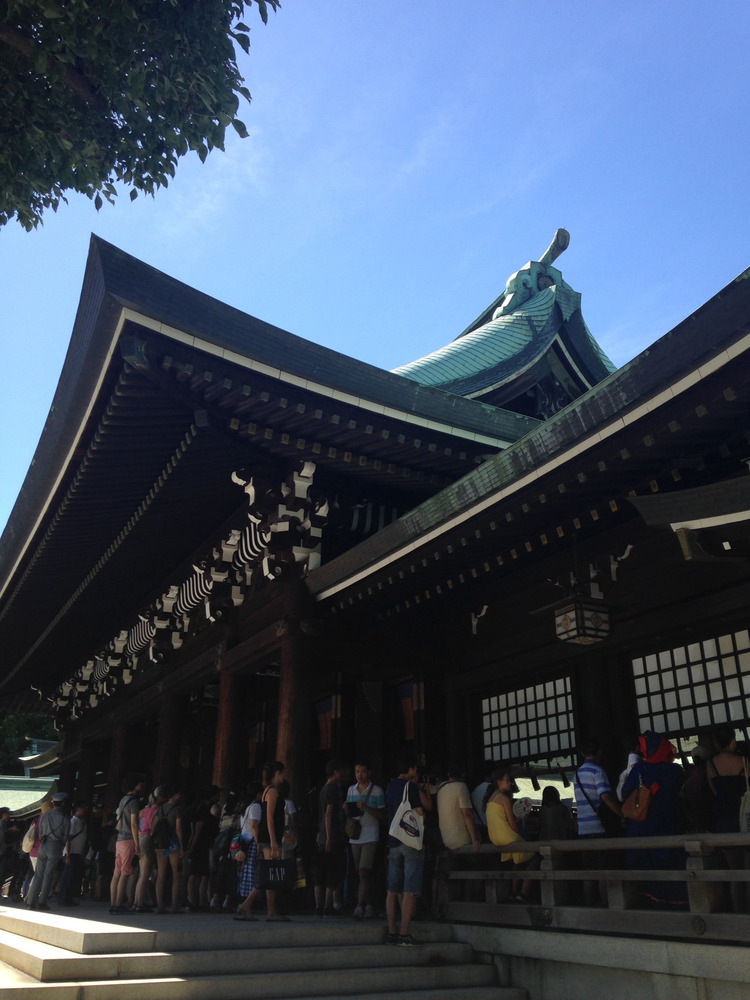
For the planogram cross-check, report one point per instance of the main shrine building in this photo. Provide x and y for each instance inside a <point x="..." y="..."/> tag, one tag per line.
<point x="235" y="545"/>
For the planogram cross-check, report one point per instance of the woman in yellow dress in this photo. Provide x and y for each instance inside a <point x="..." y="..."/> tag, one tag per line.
<point x="502" y="827"/>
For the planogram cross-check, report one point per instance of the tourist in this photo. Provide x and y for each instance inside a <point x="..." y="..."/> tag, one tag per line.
<point x="664" y="778"/>
<point x="329" y="860"/>
<point x="477" y="801"/>
<point x="126" y="847"/>
<point x="244" y="850"/>
<point x="555" y="818"/>
<point x="365" y="807"/>
<point x="147" y="856"/>
<point x="727" y="773"/>
<point x="405" y="864"/>
<point x="74" y="852"/>
<point x="53" y="832"/>
<point x="166" y="836"/>
<point x="502" y="827"/>
<point x="592" y="789"/>
<point x="270" y="833"/>
<point x="203" y="833"/>
<point x="455" y="812"/>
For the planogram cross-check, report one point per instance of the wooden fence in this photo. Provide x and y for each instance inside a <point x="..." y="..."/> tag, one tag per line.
<point x="476" y="887"/>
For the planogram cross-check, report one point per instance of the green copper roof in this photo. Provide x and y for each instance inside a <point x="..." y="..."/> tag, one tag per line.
<point x="498" y="341"/>
<point x="525" y="337"/>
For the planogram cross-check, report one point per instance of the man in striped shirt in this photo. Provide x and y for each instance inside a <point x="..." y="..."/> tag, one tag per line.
<point x="592" y="787"/>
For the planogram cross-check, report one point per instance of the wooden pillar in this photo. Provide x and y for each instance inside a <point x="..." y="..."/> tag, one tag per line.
<point x="167" y="758"/>
<point x="86" y="774"/>
<point x="67" y="779"/>
<point x="596" y="713"/>
<point x="117" y="766"/>
<point x="703" y="897"/>
<point x="293" y="733"/>
<point x="553" y="893"/>
<point x="225" y="771"/>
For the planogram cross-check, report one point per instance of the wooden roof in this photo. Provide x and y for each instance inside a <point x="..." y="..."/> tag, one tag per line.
<point x="163" y="393"/>
<point x="676" y="417"/>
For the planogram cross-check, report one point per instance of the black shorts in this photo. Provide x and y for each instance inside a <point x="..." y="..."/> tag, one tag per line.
<point x="329" y="867"/>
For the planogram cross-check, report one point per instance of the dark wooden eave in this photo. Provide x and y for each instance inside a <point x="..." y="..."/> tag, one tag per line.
<point x="677" y="416"/>
<point x="163" y="393"/>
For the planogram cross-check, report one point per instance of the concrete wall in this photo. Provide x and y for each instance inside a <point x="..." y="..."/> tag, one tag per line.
<point x="561" y="966"/>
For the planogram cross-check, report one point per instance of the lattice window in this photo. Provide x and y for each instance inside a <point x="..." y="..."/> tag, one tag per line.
<point x="693" y="687"/>
<point x="530" y="723"/>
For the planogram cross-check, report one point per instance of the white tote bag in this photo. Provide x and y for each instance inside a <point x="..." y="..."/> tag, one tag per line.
<point x="407" y="825"/>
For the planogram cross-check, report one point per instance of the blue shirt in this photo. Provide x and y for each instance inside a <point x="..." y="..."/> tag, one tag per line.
<point x="595" y="783"/>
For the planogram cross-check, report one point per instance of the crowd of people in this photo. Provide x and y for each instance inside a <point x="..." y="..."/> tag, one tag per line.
<point x="352" y="843"/>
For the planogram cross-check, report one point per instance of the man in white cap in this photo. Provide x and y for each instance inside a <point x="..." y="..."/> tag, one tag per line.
<point x="53" y="832"/>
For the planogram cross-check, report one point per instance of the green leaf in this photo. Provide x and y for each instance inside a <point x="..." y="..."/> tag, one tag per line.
<point x="98" y="202"/>
<point x="114" y="93"/>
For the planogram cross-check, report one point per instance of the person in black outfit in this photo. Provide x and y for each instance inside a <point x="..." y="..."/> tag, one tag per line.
<point x="270" y="834"/>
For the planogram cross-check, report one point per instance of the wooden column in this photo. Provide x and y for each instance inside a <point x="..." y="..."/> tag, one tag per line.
<point x="293" y="734"/>
<point x="86" y="773"/>
<point x="596" y="718"/>
<point x="225" y="770"/>
<point x="67" y="779"/>
<point x="117" y="766"/>
<point x="167" y="759"/>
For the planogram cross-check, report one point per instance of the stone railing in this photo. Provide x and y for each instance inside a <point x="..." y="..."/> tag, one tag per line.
<point x="476" y="887"/>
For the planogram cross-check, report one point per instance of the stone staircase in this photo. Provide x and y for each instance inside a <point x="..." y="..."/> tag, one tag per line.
<point x="48" y="956"/>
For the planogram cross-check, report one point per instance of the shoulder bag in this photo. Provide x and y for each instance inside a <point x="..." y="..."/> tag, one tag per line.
<point x="635" y="806"/>
<point x="609" y="820"/>
<point x="353" y="824"/>
<point x="29" y="838"/>
<point x="407" y="825"/>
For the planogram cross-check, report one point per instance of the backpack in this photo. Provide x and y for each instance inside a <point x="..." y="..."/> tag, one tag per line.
<point x="223" y="841"/>
<point x="160" y="836"/>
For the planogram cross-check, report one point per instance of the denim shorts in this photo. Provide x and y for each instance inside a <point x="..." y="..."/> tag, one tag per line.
<point x="405" y="869"/>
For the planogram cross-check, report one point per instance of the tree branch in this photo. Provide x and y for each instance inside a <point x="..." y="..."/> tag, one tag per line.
<point x="72" y="79"/>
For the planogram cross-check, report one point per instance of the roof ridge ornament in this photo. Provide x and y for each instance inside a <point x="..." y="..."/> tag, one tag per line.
<point x="560" y="243"/>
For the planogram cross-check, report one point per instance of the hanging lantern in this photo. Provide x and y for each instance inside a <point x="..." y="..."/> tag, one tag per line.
<point x="582" y="620"/>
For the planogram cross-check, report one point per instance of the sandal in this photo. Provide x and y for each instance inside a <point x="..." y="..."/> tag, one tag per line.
<point x="244" y="917"/>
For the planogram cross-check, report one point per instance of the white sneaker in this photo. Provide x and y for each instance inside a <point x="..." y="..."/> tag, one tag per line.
<point x="357" y="915"/>
<point x="369" y="914"/>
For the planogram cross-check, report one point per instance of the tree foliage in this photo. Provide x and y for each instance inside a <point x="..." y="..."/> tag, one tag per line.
<point x="14" y="730"/>
<point x="96" y="92"/>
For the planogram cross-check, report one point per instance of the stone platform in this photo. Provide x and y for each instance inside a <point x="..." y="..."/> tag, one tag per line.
<point x="87" y="954"/>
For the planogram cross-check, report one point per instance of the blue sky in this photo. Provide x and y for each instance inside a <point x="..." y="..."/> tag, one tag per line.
<point x="404" y="159"/>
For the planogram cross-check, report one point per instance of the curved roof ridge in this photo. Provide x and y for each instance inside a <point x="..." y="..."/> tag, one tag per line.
<point x="497" y="341"/>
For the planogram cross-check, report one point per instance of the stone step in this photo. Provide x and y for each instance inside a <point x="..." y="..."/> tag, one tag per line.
<point x="47" y="963"/>
<point x="173" y="933"/>
<point x="425" y="981"/>
<point x="86" y="937"/>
